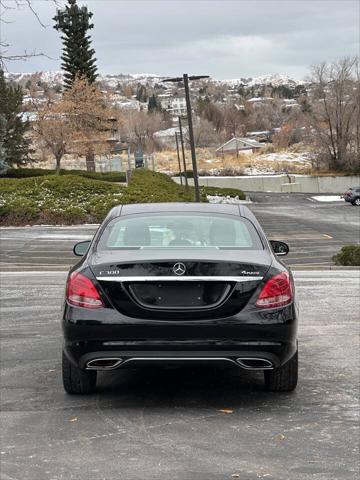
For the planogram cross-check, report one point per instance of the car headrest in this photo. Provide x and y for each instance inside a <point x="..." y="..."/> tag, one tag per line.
<point x="137" y="234"/>
<point x="222" y="233"/>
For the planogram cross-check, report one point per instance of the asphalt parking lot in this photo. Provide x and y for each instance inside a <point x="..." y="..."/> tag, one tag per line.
<point x="207" y="423"/>
<point x="315" y="231"/>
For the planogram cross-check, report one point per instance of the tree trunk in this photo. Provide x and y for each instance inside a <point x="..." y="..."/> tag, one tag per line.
<point x="58" y="160"/>
<point x="90" y="161"/>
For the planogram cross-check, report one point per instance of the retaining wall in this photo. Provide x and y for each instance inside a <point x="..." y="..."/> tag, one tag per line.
<point x="282" y="183"/>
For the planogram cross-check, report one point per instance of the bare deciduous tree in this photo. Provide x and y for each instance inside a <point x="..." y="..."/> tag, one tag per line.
<point x="7" y="6"/>
<point x="138" y="129"/>
<point x="234" y="121"/>
<point x="205" y="134"/>
<point x="79" y="123"/>
<point x="90" y="120"/>
<point x="334" y="111"/>
<point x="53" y="131"/>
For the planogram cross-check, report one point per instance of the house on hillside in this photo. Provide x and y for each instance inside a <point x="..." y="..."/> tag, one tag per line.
<point x="125" y="103"/>
<point x="174" y="105"/>
<point x="166" y="138"/>
<point x="239" y="145"/>
<point x="262" y="136"/>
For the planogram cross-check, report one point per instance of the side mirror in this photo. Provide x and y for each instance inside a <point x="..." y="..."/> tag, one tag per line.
<point x="81" y="248"/>
<point x="280" y="248"/>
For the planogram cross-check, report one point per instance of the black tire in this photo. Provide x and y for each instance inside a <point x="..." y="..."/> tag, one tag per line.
<point x="283" y="379"/>
<point x="76" y="381"/>
<point x="356" y="202"/>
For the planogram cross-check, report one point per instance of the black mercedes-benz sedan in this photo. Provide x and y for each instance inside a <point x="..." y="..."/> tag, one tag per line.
<point x="179" y="282"/>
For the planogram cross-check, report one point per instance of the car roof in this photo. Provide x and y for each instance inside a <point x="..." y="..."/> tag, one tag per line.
<point x="134" y="208"/>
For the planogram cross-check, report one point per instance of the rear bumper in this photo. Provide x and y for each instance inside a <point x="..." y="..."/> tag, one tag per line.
<point x="267" y="334"/>
<point x="275" y="343"/>
<point x="273" y="355"/>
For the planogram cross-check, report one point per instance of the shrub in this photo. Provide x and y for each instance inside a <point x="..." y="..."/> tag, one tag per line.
<point x="54" y="199"/>
<point x="348" y="256"/>
<point x="146" y="186"/>
<point x="40" y="172"/>
<point x="190" y="174"/>
<point x="224" y="192"/>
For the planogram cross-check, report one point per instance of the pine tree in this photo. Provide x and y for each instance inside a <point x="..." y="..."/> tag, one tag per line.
<point x="78" y="56"/>
<point x="153" y="105"/>
<point x="141" y="95"/>
<point x="15" y="145"/>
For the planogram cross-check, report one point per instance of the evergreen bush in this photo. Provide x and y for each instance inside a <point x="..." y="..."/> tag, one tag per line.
<point x="349" y="256"/>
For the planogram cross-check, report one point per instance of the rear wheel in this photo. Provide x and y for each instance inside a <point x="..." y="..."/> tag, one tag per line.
<point x="284" y="378"/>
<point x="356" y="202"/>
<point x="77" y="381"/>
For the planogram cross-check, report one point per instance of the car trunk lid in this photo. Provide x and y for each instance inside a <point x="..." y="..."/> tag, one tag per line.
<point x="144" y="284"/>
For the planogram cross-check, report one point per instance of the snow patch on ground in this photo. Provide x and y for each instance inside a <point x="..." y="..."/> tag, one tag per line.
<point x="221" y="199"/>
<point x="328" y="198"/>
<point x="258" y="171"/>
<point x="255" y="170"/>
<point x="304" y="157"/>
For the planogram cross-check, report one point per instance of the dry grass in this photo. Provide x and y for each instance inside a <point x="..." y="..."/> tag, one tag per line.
<point x="166" y="161"/>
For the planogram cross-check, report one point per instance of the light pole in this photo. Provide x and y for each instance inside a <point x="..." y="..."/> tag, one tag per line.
<point x="183" y="154"/>
<point x="178" y="157"/>
<point x="185" y="78"/>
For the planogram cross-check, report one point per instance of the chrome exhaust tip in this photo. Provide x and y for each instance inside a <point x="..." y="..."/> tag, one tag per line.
<point x="103" y="363"/>
<point x="255" y="363"/>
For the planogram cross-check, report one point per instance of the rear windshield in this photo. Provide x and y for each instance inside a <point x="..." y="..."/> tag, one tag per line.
<point x="179" y="230"/>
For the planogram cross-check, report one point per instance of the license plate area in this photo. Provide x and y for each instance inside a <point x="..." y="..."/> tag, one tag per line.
<point x="179" y="296"/>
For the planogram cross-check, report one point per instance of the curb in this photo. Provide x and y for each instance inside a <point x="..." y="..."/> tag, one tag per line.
<point x="325" y="268"/>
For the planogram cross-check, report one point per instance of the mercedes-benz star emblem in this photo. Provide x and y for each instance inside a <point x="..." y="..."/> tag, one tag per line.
<point x="179" y="268"/>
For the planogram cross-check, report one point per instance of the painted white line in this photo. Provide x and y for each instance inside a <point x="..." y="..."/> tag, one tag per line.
<point x="328" y="198"/>
<point x="33" y="272"/>
<point x="63" y="227"/>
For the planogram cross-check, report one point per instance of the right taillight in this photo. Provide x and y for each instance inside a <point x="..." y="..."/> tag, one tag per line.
<point x="81" y="292"/>
<point x="277" y="292"/>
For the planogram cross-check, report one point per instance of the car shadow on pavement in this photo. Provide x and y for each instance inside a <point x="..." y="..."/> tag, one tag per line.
<point x="188" y="386"/>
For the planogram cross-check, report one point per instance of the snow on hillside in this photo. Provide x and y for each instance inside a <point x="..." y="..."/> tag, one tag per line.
<point x="51" y="78"/>
<point x="112" y="80"/>
<point x="138" y="76"/>
<point x="275" y="80"/>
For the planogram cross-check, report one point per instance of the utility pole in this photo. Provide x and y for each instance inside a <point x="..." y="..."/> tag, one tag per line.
<point x="183" y="153"/>
<point x="178" y="157"/>
<point x="191" y="138"/>
<point x="185" y="78"/>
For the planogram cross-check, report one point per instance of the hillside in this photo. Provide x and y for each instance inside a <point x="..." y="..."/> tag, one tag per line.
<point x="112" y="80"/>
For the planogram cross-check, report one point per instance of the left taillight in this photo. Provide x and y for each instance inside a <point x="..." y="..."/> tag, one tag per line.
<point x="81" y="292"/>
<point x="277" y="292"/>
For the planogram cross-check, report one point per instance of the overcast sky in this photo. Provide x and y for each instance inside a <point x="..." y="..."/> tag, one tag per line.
<point x="225" y="39"/>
